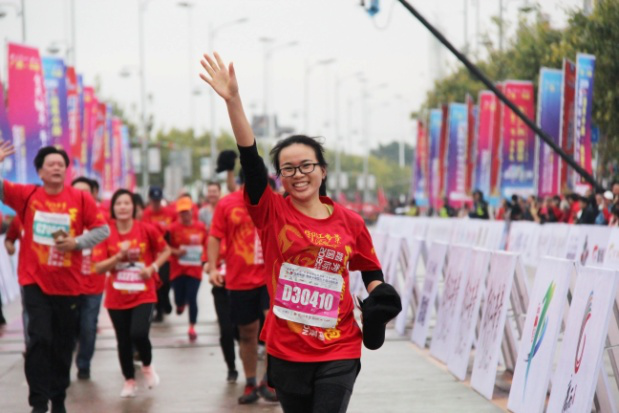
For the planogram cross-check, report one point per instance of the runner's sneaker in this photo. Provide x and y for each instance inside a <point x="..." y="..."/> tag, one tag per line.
<point x="232" y="376"/>
<point x="83" y="374"/>
<point x="150" y="375"/>
<point x="180" y="309"/>
<point x="250" y="395"/>
<point x="130" y="388"/>
<point x="267" y="393"/>
<point x="193" y="336"/>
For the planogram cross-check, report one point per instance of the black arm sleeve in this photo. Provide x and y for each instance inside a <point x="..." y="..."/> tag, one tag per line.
<point x="255" y="172"/>
<point x="369" y="276"/>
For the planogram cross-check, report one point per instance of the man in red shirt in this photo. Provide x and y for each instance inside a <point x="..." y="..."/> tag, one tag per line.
<point x="245" y="281"/>
<point x="162" y="216"/>
<point x="54" y="218"/>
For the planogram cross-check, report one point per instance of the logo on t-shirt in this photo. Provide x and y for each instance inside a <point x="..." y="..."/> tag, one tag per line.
<point x="327" y="240"/>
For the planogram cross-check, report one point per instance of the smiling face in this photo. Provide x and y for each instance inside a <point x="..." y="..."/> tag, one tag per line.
<point x="53" y="170"/>
<point x="123" y="207"/>
<point x="301" y="187"/>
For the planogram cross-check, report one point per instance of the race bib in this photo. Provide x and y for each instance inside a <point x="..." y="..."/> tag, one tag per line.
<point x="308" y="296"/>
<point x="128" y="277"/>
<point x="46" y="223"/>
<point x="193" y="255"/>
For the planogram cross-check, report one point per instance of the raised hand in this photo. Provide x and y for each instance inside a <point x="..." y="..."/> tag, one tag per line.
<point x="7" y="149"/>
<point x="221" y="78"/>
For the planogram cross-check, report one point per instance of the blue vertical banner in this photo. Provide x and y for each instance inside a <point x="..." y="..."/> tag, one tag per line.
<point x="434" y="137"/>
<point x="583" y="104"/>
<point x="549" y="120"/>
<point x="455" y="179"/>
<point x="57" y="107"/>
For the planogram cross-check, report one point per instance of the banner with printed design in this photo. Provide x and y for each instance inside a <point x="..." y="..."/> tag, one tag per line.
<point x="434" y="138"/>
<point x="108" y="138"/>
<point x="128" y="175"/>
<point x="56" y="94"/>
<point x="442" y="153"/>
<point x="98" y="149"/>
<point x="455" y="179"/>
<point x="494" y="314"/>
<point x="583" y="105"/>
<point x="611" y="257"/>
<point x="7" y="171"/>
<point x="416" y="248"/>
<point x="434" y="273"/>
<point x="485" y="126"/>
<point x="549" y="120"/>
<point x="496" y="147"/>
<point x="420" y="189"/>
<point x="567" y="121"/>
<point x="88" y="128"/>
<point x="468" y="313"/>
<point x="471" y="124"/>
<point x="540" y="335"/>
<point x="518" y="142"/>
<point x="580" y="359"/>
<point x="456" y="276"/>
<point x="117" y="155"/>
<point x="595" y="243"/>
<point x="73" y="122"/>
<point x="27" y="110"/>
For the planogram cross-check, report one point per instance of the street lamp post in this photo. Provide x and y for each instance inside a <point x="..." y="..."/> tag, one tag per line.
<point x="212" y="32"/>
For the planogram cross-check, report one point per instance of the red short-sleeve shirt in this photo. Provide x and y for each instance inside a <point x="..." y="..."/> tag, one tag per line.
<point x="334" y="245"/>
<point x="192" y="238"/>
<point x="73" y="211"/>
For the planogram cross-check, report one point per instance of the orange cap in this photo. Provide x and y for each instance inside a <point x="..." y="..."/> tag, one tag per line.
<point x="184" y="204"/>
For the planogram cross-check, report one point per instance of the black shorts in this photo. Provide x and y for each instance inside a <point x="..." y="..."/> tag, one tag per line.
<point x="301" y="378"/>
<point x="247" y="306"/>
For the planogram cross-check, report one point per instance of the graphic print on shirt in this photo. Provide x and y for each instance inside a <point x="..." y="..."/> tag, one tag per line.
<point x="244" y="229"/>
<point x="56" y="217"/>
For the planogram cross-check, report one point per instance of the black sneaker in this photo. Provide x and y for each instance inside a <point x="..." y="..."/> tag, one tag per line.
<point x="39" y="409"/>
<point x="83" y="374"/>
<point x="58" y="408"/>
<point x="267" y="393"/>
<point x="250" y="395"/>
<point x="232" y="376"/>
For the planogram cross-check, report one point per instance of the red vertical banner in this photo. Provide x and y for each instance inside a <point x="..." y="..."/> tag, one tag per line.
<point x="470" y="145"/>
<point x="488" y="106"/>
<point x="74" y="129"/>
<point x="117" y="154"/>
<point x="442" y="154"/>
<point x="108" y="133"/>
<point x="420" y="184"/>
<point x="495" y="167"/>
<point x="566" y="133"/>
<point x="98" y="143"/>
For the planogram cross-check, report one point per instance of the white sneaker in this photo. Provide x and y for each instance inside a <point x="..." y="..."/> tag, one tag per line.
<point x="130" y="388"/>
<point x="151" y="376"/>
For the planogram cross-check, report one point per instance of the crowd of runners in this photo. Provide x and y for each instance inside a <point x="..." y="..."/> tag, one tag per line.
<point x="278" y="265"/>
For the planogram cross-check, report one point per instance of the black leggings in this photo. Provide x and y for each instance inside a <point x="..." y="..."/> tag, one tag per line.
<point x="320" y="387"/>
<point x="186" y="293"/>
<point x="227" y="330"/>
<point x="132" y="327"/>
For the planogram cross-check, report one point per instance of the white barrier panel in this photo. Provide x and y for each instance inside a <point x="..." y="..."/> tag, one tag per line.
<point x="9" y="287"/>
<point x="523" y="238"/>
<point x="540" y="335"/>
<point x="439" y="230"/>
<point x="500" y="280"/>
<point x="410" y="286"/>
<point x="434" y="269"/>
<point x="558" y="239"/>
<point x="594" y="245"/>
<point x="467" y="315"/>
<point x="451" y="300"/>
<point x="575" y="378"/>
<point x="575" y="242"/>
<point x="495" y="234"/>
<point x="391" y="258"/>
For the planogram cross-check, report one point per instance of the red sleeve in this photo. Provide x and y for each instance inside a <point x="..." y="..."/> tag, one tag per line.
<point x="156" y="240"/>
<point x="363" y="256"/>
<point x="218" y="223"/>
<point x="93" y="217"/>
<point x="16" y="195"/>
<point x="100" y="251"/>
<point x="13" y="233"/>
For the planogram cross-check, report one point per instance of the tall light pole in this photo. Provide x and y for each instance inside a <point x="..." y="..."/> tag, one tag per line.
<point x="308" y="70"/>
<point x="212" y="32"/>
<point x="339" y="81"/>
<point x="190" y="75"/>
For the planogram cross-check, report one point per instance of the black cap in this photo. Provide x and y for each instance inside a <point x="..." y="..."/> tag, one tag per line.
<point x="155" y="193"/>
<point x="382" y="305"/>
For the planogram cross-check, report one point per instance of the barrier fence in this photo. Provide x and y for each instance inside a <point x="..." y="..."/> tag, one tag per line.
<point x="542" y="301"/>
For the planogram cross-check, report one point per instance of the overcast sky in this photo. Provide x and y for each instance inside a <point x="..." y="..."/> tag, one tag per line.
<point x="392" y="50"/>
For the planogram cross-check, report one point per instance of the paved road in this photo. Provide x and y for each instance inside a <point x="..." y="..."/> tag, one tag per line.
<point x="397" y="378"/>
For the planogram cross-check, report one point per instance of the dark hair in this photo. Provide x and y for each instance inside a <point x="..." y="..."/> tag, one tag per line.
<point x="85" y="180"/>
<point x="95" y="185"/>
<point x="313" y="143"/>
<point x="138" y="201"/>
<point x="215" y="183"/>
<point x="117" y="195"/>
<point x="49" y="150"/>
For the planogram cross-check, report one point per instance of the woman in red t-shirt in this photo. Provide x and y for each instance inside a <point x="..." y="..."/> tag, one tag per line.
<point x="132" y="255"/>
<point x="309" y="245"/>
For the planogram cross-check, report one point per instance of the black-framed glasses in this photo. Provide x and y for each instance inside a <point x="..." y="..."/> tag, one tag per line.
<point x="290" y="171"/>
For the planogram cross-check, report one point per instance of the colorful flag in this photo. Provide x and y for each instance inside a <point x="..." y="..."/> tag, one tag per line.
<point x="549" y="120"/>
<point x="434" y="136"/>
<point x="108" y="182"/>
<point x="98" y="149"/>
<point x="73" y="119"/>
<point x="457" y="153"/>
<point x="496" y="147"/>
<point x="585" y="66"/>
<point x="518" y="151"/>
<point x="27" y="110"/>
<point x="442" y="153"/>
<point x="488" y="104"/>
<point x="117" y="154"/>
<point x="420" y="189"/>
<point x="566" y="129"/>
<point x="56" y="94"/>
<point x="471" y="110"/>
<point x="7" y="169"/>
<point x="89" y="128"/>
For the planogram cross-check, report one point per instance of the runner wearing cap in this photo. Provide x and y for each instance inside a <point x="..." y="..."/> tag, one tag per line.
<point x="162" y="216"/>
<point x="310" y="243"/>
<point x="132" y="255"/>
<point x="187" y="241"/>
<point x="54" y="217"/>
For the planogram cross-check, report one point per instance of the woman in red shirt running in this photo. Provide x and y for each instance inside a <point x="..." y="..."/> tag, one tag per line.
<point x="309" y="245"/>
<point x="132" y="254"/>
